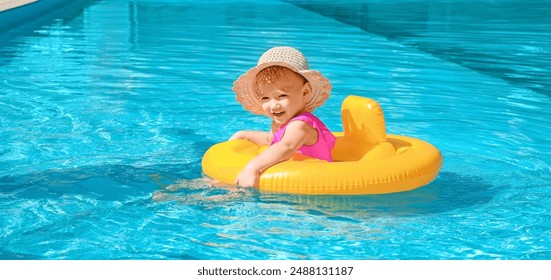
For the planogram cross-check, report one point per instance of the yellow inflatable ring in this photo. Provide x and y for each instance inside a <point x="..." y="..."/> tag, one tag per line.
<point x="366" y="159"/>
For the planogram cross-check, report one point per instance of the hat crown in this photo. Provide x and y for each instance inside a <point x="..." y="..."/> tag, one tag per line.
<point x="287" y="55"/>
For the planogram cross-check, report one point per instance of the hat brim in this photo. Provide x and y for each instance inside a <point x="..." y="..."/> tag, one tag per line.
<point x="246" y="95"/>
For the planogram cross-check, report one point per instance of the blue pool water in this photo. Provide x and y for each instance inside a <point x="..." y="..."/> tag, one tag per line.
<point x="107" y="105"/>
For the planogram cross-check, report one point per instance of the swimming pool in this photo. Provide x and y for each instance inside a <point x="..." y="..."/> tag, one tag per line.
<point x="107" y="105"/>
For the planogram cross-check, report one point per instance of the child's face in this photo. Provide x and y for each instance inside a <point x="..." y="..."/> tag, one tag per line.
<point x="284" y="97"/>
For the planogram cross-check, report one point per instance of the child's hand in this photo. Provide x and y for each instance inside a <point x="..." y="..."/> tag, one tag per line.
<point x="257" y="137"/>
<point x="237" y="135"/>
<point x="248" y="178"/>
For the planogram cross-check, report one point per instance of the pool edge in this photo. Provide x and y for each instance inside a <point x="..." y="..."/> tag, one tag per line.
<point x="14" y="4"/>
<point x="14" y="14"/>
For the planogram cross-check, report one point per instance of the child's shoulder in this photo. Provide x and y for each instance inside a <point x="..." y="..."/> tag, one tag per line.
<point x="304" y="116"/>
<point x="308" y="118"/>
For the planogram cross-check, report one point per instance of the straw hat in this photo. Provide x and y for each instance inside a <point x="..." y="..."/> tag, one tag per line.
<point x="290" y="58"/>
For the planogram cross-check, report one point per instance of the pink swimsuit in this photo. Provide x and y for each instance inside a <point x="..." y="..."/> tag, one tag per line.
<point x="322" y="148"/>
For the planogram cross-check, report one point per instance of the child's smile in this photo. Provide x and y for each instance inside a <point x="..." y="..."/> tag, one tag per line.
<point x="284" y="97"/>
<point x="278" y="114"/>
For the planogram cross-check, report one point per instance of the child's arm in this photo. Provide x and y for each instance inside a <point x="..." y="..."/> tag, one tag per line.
<point x="257" y="137"/>
<point x="296" y="134"/>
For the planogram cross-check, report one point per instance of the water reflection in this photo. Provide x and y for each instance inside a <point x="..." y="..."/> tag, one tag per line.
<point x="488" y="37"/>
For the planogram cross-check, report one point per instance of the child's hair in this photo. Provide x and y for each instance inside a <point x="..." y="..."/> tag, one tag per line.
<point x="269" y="74"/>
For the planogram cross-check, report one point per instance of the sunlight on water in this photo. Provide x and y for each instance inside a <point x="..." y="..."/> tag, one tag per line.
<point x="106" y="111"/>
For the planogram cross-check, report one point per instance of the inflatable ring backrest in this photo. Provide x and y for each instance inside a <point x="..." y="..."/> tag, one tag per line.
<point x="364" y="136"/>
